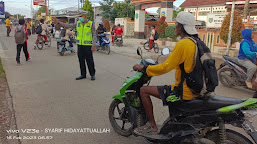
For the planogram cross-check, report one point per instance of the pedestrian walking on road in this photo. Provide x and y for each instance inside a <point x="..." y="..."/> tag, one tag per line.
<point x="113" y="34"/>
<point x="8" y="26"/>
<point x="21" y="37"/>
<point x="28" y="27"/>
<point x="86" y="39"/>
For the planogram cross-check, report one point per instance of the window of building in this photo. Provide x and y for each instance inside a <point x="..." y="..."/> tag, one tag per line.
<point x="218" y="12"/>
<point x="218" y="39"/>
<point x="204" y="13"/>
<point x="204" y="38"/>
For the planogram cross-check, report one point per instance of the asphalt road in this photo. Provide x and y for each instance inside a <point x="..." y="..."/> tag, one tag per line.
<point x="46" y="94"/>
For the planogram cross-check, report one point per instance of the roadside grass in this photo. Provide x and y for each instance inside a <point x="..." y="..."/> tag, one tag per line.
<point x="2" y="73"/>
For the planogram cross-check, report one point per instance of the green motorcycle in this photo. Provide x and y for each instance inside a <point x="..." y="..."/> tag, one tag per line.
<point x="198" y="121"/>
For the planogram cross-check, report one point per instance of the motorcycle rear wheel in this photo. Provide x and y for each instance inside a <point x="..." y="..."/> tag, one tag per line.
<point x="113" y="119"/>
<point x="230" y="73"/>
<point x="233" y="137"/>
<point x="119" y="43"/>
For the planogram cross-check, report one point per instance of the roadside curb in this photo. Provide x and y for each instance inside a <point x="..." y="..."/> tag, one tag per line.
<point x="11" y="123"/>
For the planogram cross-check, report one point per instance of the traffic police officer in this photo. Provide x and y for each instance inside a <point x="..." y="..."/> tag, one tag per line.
<point x="86" y="39"/>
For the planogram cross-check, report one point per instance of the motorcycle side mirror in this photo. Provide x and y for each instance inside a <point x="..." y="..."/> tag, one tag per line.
<point x="165" y="51"/>
<point x="139" y="52"/>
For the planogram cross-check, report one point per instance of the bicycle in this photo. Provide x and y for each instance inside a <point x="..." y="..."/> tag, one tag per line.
<point x="155" y="46"/>
<point x="41" y="41"/>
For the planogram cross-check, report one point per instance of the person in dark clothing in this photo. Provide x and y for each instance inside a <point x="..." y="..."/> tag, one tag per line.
<point x="52" y="30"/>
<point x="113" y="34"/>
<point x="24" y="45"/>
<point x="101" y="29"/>
<point x="86" y="39"/>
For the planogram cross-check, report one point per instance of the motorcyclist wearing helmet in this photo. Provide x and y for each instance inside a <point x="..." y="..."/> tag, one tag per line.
<point x="101" y="29"/>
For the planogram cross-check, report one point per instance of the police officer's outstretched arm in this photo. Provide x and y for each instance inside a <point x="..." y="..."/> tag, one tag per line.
<point x="56" y="21"/>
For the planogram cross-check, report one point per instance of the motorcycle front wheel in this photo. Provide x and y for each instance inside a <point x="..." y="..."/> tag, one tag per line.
<point x="40" y="44"/>
<point x="232" y="137"/>
<point x="227" y="77"/>
<point x="119" y="118"/>
<point x="156" y="48"/>
<point x="107" y="49"/>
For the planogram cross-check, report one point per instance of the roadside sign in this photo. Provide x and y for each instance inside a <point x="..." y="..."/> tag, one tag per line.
<point x="39" y="2"/>
<point x="215" y="20"/>
<point x="2" y="15"/>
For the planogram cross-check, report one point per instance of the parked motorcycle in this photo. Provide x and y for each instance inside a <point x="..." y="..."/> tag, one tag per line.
<point x="234" y="74"/>
<point x="105" y="45"/>
<point x="118" y="41"/>
<point x="62" y="48"/>
<point x="191" y="122"/>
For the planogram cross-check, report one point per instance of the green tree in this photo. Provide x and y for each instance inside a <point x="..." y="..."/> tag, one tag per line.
<point x="7" y="14"/>
<point x="106" y="7"/>
<point x="125" y="9"/>
<point x="176" y="11"/>
<point x="236" y="30"/>
<point x="171" y="32"/>
<point x="113" y="15"/>
<point x="88" y="7"/>
<point x="19" y="16"/>
<point x="42" y="9"/>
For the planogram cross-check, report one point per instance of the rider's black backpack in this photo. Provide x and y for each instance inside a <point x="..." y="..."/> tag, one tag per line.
<point x="203" y="79"/>
<point x="39" y="29"/>
<point x="63" y="33"/>
<point x="156" y="35"/>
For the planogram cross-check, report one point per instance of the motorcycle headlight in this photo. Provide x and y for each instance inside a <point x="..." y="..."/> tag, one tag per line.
<point x="249" y="114"/>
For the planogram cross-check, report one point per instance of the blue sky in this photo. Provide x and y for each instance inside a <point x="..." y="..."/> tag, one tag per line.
<point x="24" y="6"/>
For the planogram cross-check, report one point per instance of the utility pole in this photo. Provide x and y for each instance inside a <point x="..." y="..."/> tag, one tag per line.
<point x="78" y="5"/>
<point x="48" y="8"/>
<point x="230" y="27"/>
<point x="246" y="8"/>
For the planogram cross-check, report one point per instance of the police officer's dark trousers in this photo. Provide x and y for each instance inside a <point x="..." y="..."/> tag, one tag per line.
<point x="85" y="53"/>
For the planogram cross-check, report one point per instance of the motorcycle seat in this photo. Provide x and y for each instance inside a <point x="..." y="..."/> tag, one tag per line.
<point x="234" y="60"/>
<point x="207" y="103"/>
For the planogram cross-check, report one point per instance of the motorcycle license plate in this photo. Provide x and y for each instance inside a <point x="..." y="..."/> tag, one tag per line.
<point x="118" y="38"/>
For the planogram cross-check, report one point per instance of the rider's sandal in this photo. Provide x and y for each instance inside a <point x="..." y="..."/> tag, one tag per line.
<point x="145" y="130"/>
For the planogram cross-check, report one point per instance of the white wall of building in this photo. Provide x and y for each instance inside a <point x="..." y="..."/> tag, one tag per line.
<point x="201" y="12"/>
